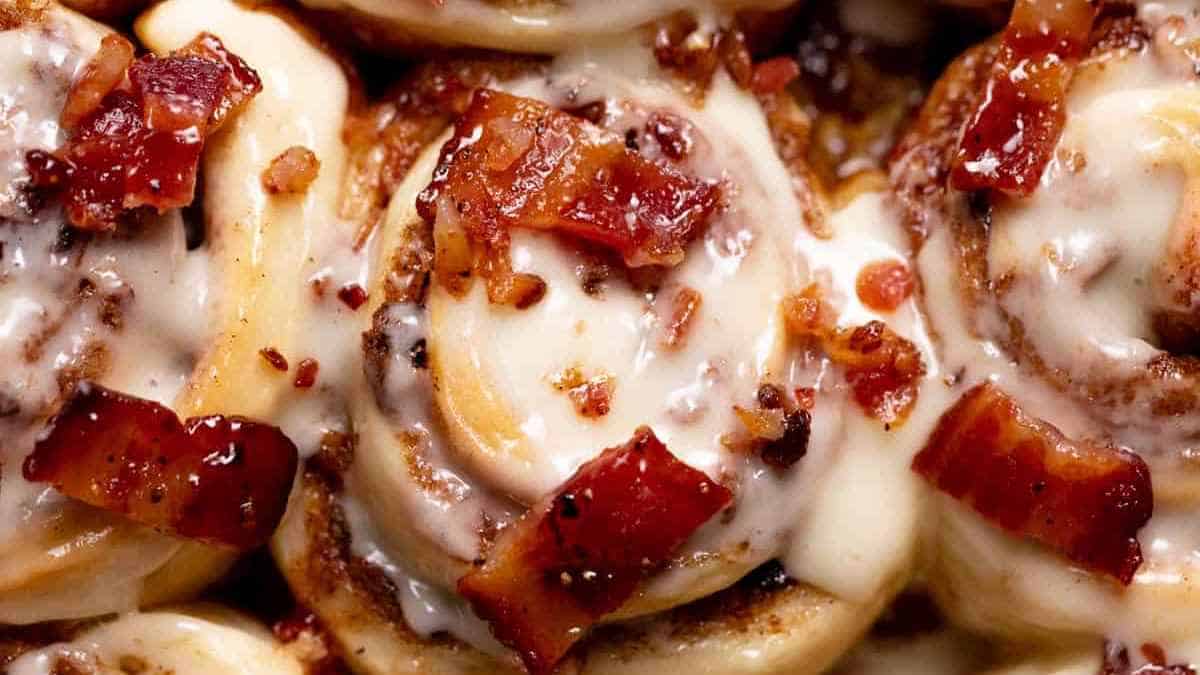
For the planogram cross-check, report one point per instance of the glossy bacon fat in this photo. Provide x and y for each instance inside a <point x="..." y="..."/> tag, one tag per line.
<point x="138" y="128"/>
<point x="1085" y="501"/>
<point x="222" y="480"/>
<point x="581" y="552"/>
<point x="1011" y="137"/>
<point x="516" y="162"/>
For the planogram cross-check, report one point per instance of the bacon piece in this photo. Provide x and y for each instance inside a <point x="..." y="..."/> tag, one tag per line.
<point x="515" y="162"/>
<point x="882" y="367"/>
<point x="884" y="284"/>
<point x="140" y="144"/>
<point x="1086" y="501"/>
<point x="306" y="374"/>
<point x="274" y="358"/>
<point x="292" y="171"/>
<point x="684" y="308"/>
<point x="1011" y="137"/>
<point x="222" y="480"/>
<point x="583" y="550"/>
<point x="352" y="296"/>
<point x="773" y="75"/>
<point x="102" y="73"/>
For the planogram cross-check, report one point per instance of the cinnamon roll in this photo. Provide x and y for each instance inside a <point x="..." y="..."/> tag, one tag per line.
<point x="588" y="290"/>
<point x="124" y="313"/>
<point x="1046" y="187"/>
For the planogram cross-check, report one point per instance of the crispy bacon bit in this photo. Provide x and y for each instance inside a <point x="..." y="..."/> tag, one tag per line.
<point x="884" y="284"/>
<point x="306" y="373"/>
<point x="761" y="423"/>
<point x="779" y="431"/>
<point x="683" y="50"/>
<point x="140" y="144"/>
<point x="99" y="76"/>
<point x="882" y="367"/>
<point x="1011" y="137"/>
<point x="673" y="134"/>
<point x="783" y="452"/>
<point x="292" y="171"/>
<point x="684" y="308"/>
<point x="1116" y="661"/>
<point x="515" y="162"/>
<point x="222" y="480"/>
<point x="593" y="398"/>
<point x="1084" y="500"/>
<point x="773" y="75"/>
<point x="274" y="358"/>
<point x="582" y="551"/>
<point x="506" y="287"/>
<point x="352" y="295"/>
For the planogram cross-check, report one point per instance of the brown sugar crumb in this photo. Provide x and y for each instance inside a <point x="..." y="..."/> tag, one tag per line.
<point x="274" y="358"/>
<point x="352" y="295"/>
<point x="684" y="308"/>
<point x="306" y="373"/>
<point x="292" y="171"/>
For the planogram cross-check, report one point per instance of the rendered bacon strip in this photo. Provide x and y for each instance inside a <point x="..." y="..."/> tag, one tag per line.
<point x="222" y="480"/>
<point x="1085" y="501"/>
<point x="581" y="552"/>
<point x="516" y="162"/>
<point x="1011" y="137"/>
<point x="140" y="144"/>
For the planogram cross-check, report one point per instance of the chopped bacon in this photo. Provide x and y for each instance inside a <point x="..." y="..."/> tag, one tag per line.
<point x="516" y="162"/>
<point x="583" y="550"/>
<point x="274" y="358"/>
<point x="140" y="143"/>
<point x="779" y="431"/>
<point x="1084" y="500"/>
<point x="773" y="75"/>
<point x="673" y="134"/>
<point x="222" y="480"/>
<point x="884" y="284"/>
<point x="291" y="172"/>
<point x="592" y="398"/>
<point x="1011" y="137"/>
<point x="882" y="367"/>
<point x="684" y="308"/>
<point x="99" y="76"/>
<point x="306" y="374"/>
<point x="352" y="295"/>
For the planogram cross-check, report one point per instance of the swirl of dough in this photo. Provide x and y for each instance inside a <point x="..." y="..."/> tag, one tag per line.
<point x="188" y="640"/>
<point x="1059" y="299"/>
<point x="465" y="416"/>
<point x="527" y="26"/>
<point x="144" y="310"/>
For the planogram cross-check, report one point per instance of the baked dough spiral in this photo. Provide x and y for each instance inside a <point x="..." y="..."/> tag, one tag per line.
<point x="175" y="323"/>
<point x="188" y="640"/>
<point x="1059" y="299"/>
<point x="511" y="25"/>
<point x="460" y="419"/>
